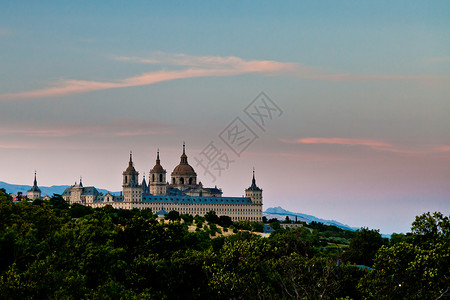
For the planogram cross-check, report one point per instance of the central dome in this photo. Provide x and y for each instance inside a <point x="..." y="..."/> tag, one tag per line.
<point x="184" y="169"/>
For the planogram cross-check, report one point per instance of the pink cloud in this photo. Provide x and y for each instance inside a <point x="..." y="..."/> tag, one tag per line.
<point x="211" y="67"/>
<point x="121" y="127"/>
<point x="46" y="132"/>
<point x="372" y="144"/>
<point x="439" y="59"/>
<point x="339" y="141"/>
<point x="206" y="66"/>
<point x="445" y="148"/>
<point x="15" y="146"/>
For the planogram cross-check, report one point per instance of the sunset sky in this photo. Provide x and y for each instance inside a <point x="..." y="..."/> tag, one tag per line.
<point x="357" y="93"/>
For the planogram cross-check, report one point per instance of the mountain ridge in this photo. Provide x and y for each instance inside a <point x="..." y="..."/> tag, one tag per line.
<point x="281" y="213"/>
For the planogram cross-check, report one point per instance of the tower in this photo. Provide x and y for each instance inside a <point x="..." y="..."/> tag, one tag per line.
<point x="254" y="192"/>
<point x="157" y="180"/>
<point x="75" y="193"/>
<point x="132" y="191"/>
<point x="184" y="174"/>
<point x="34" y="193"/>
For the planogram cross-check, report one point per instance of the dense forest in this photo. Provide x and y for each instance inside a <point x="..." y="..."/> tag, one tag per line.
<point x="50" y="250"/>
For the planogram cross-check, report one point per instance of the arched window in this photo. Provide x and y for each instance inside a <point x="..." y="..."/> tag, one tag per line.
<point x="181" y="180"/>
<point x="190" y="180"/>
<point x="173" y="180"/>
<point x="153" y="177"/>
<point x="126" y="179"/>
<point x="160" y="178"/>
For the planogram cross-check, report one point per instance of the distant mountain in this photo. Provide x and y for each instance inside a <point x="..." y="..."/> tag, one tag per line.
<point x="280" y="214"/>
<point x="45" y="190"/>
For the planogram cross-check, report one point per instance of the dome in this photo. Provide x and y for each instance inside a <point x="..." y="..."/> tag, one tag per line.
<point x="184" y="168"/>
<point x="157" y="168"/>
<point x="130" y="170"/>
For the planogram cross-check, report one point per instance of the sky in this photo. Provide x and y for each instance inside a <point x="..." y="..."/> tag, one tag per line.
<point x="342" y="107"/>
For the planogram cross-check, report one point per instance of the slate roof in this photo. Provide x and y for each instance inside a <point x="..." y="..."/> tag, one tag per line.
<point x="196" y="200"/>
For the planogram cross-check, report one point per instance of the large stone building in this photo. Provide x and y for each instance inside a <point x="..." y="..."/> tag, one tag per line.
<point x="182" y="194"/>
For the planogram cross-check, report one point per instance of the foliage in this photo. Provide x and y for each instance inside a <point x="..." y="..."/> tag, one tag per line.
<point x="364" y="245"/>
<point x="173" y="215"/>
<point x="51" y="251"/>
<point x="417" y="267"/>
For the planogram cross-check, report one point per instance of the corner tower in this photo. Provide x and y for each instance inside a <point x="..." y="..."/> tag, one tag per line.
<point x="157" y="178"/>
<point x="254" y="192"/>
<point x="34" y="193"/>
<point x="132" y="191"/>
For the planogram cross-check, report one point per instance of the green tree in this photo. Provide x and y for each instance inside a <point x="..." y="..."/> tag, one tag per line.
<point x="212" y="217"/>
<point x="225" y="221"/>
<point x="173" y="215"/>
<point x="363" y="246"/>
<point x="418" y="267"/>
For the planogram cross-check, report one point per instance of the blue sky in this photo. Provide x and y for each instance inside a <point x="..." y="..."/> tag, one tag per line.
<point x="363" y="86"/>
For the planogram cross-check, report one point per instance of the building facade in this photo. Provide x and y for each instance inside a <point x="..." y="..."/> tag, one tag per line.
<point x="182" y="193"/>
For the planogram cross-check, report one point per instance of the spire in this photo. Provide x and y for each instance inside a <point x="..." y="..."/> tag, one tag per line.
<point x="35" y="181"/>
<point x="184" y="156"/>
<point x="254" y="187"/>
<point x="144" y="184"/>
<point x="158" y="162"/>
<point x="253" y="180"/>
<point x="81" y="183"/>
<point x="131" y="158"/>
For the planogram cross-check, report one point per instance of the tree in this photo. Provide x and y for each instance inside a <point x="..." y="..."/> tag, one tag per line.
<point x="212" y="217"/>
<point x="418" y="267"/>
<point x="188" y="219"/>
<point x="225" y="221"/>
<point x="77" y="210"/>
<point x="173" y="215"/>
<point x="58" y="202"/>
<point x="364" y="245"/>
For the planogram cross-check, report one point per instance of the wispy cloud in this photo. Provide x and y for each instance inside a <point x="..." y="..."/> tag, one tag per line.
<point x="439" y="59"/>
<point x="199" y="67"/>
<point x="15" y="146"/>
<point x="188" y="66"/>
<point x="120" y="127"/>
<point x="372" y="144"/>
<point x="212" y="62"/>
<point x="339" y="141"/>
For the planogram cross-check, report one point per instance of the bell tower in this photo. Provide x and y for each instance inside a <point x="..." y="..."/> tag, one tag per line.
<point x="158" y="185"/>
<point x="132" y="191"/>
<point x="255" y="194"/>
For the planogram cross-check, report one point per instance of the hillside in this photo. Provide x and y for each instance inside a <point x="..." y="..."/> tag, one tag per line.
<point x="280" y="214"/>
